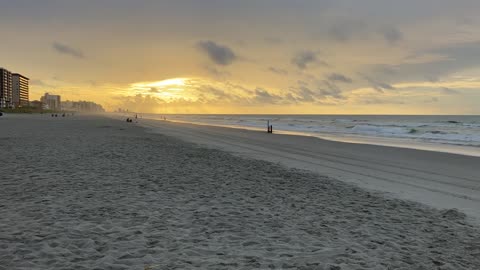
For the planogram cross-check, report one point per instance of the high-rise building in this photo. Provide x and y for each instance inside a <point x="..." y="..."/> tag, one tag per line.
<point x="19" y="90"/>
<point x="51" y="102"/>
<point x="5" y="88"/>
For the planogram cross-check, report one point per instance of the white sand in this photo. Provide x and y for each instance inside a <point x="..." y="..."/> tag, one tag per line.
<point x="95" y="193"/>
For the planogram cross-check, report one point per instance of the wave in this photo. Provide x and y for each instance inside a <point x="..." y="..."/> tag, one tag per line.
<point x="455" y="130"/>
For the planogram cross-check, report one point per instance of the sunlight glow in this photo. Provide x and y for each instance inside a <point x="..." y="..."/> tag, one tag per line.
<point x="166" y="89"/>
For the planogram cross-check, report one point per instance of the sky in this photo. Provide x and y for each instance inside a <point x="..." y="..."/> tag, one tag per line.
<point x="249" y="56"/>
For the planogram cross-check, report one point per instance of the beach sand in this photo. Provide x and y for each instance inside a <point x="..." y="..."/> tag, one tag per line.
<point x="95" y="193"/>
<point x="440" y="180"/>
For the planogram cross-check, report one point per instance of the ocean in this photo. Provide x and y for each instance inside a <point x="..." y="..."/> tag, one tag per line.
<point x="447" y="133"/>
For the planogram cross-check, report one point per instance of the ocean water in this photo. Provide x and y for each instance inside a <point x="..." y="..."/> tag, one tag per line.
<point x="437" y="132"/>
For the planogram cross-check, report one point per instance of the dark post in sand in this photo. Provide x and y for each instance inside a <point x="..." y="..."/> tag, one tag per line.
<point x="269" y="127"/>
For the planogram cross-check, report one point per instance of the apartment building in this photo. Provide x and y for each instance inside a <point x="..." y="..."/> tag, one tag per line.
<point x="20" y="90"/>
<point x="6" y="95"/>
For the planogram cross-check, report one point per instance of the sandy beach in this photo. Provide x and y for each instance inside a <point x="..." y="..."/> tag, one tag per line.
<point x="440" y="180"/>
<point x="89" y="192"/>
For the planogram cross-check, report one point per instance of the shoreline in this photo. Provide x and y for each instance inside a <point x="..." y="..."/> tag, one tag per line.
<point x="357" y="139"/>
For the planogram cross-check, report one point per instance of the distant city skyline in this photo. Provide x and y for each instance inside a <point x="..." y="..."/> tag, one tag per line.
<point x="260" y="57"/>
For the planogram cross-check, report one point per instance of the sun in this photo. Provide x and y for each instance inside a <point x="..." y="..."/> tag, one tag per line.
<point x="166" y="89"/>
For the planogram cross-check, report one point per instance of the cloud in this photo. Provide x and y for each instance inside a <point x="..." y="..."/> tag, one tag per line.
<point x="377" y="101"/>
<point x="305" y="95"/>
<point x="430" y="100"/>
<point x="392" y="35"/>
<point x="273" y="40"/>
<point x="332" y="90"/>
<point x="304" y="58"/>
<point x="216" y="72"/>
<point x="36" y="82"/>
<point x="140" y="103"/>
<point x="449" y="91"/>
<point x="383" y="86"/>
<point x="378" y="85"/>
<point x="65" y="49"/>
<point x="339" y="78"/>
<point x="263" y="96"/>
<point x="435" y="63"/>
<point x="219" y="54"/>
<point x="278" y="71"/>
<point x="214" y="95"/>
<point x="154" y="90"/>
<point x="346" y="30"/>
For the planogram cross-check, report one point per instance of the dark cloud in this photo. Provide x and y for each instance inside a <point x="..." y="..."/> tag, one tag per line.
<point x="346" y="30"/>
<point x="304" y="58"/>
<point x="323" y="91"/>
<point x="213" y="95"/>
<point x="263" y="96"/>
<point x="154" y="90"/>
<point x="378" y="85"/>
<point x="217" y="92"/>
<point x="306" y="95"/>
<point x="336" y="77"/>
<point x="219" y="54"/>
<point x="377" y="101"/>
<point x="383" y="86"/>
<point x="331" y="90"/>
<point x="65" y="49"/>
<point x="449" y="91"/>
<point x="392" y="35"/>
<point x="278" y="71"/>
